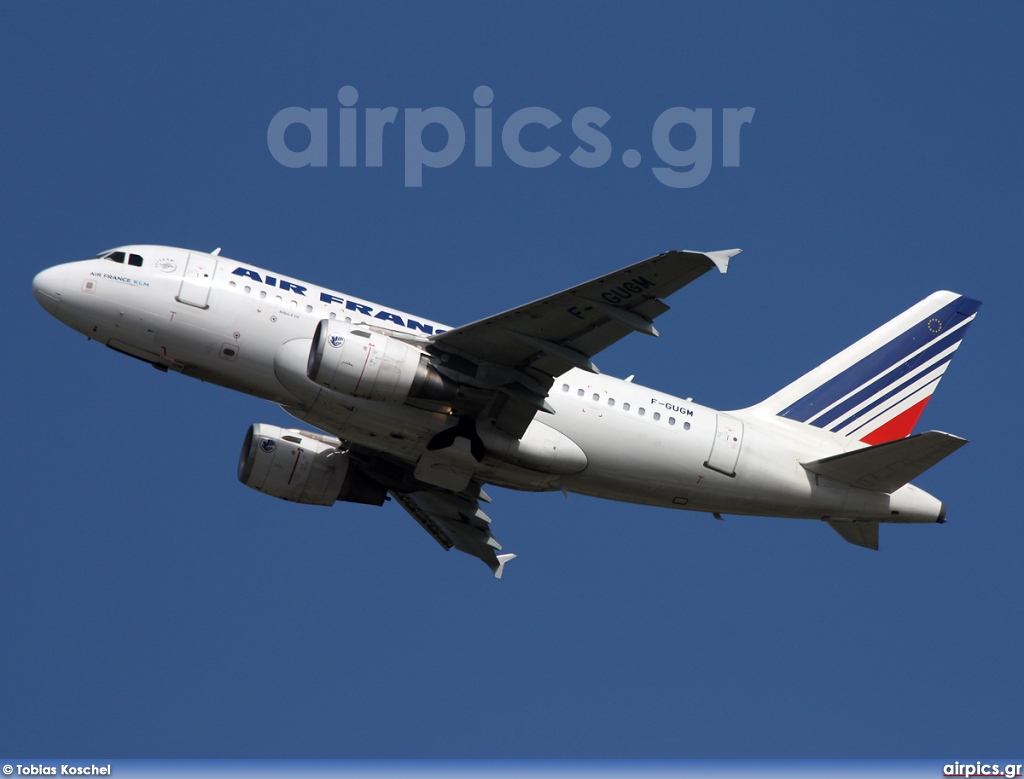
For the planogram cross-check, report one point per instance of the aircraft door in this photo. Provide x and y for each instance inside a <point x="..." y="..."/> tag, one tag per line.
<point x="195" y="287"/>
<point x="726" y="447"/>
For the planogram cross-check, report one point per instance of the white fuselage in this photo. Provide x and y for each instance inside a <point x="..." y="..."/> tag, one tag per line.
<point x="249" y="329"/>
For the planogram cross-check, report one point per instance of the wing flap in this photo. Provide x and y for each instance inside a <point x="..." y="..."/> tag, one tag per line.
<point x="857" y="532"/>
<point x="455" y="521"/>
<point x="887" y="467"/>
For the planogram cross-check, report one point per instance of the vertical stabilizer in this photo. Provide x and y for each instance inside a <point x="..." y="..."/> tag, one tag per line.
<point x="875" y="390"/>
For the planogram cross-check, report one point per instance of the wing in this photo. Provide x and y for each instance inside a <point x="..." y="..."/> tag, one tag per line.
<point x="455" y="520"/>
<point x="504" y="366"/>
<point x="508" y="362"/>
<point x="451" y="515"/>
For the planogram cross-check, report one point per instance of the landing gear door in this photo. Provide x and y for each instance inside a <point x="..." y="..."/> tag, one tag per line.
<point x="726" y="448"/>
<point x="195" y="287"/>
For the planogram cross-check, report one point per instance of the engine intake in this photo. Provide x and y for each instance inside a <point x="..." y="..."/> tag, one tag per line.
<point x="303" y="467"/>
<point x="373" y="365"/>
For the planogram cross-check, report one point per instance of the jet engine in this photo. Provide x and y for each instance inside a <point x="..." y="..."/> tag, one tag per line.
<point x="303" y="467"/>
<point x="375" y="366"/>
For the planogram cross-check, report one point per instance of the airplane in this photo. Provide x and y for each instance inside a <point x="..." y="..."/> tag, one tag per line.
<point x="409" y="408"/>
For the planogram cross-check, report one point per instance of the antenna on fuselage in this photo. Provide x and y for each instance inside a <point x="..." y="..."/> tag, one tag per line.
<point x="216" y="252"/>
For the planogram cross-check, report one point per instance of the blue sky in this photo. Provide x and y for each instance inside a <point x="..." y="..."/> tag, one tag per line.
<point x="152" y="606"/>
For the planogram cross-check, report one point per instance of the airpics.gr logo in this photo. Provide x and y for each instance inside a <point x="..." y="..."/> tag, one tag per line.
<point x="524" y="138"/>
<point x="337" y="341"/>
<point x="268" y="445"/>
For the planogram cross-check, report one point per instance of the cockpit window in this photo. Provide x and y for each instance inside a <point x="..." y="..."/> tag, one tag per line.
<point x="119" y="256"/>
<point x="133" y="259"/>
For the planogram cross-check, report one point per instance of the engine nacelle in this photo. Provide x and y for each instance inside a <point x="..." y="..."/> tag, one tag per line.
<point x="369" y="365"/>
<point x="303" y="467"/>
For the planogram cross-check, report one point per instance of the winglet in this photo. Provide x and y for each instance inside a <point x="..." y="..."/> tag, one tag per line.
<point x="500" y="568"/>
<point x="721" y="259"/>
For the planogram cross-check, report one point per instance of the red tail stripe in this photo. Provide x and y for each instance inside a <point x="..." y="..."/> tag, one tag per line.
<point x="900" y="426"/>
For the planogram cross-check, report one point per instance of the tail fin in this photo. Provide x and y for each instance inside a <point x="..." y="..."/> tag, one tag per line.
<point x="875" y="390"/>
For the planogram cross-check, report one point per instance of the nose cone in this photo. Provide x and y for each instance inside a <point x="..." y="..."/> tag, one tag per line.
<point x="48" y="287"/>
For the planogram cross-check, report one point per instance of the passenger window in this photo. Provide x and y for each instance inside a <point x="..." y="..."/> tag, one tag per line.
<point x="657" y="416"/>
<point x="596" y="397"/>
<point x="686" y="425"/>
<point x="611" y="401"/>
<point x="565" y="388"/>
<point x="135" y="259"/>
<point x="641" y="411"/>
<point x="579" y="392"/>
<point x="671" y="420"/>
<point x="625" y="407"/>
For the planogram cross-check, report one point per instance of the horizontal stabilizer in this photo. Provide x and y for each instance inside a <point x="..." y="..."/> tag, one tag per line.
<point x="859" y="533"/>
<point x="887" y="467"/>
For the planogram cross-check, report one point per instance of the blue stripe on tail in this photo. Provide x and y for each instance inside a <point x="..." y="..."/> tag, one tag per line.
<point x="882" y="359"/>
<point x="888" y="380"/>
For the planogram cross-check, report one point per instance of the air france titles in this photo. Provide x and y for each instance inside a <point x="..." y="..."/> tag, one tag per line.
<point x="331" y="299"/>
<point x="121" y="279"/>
